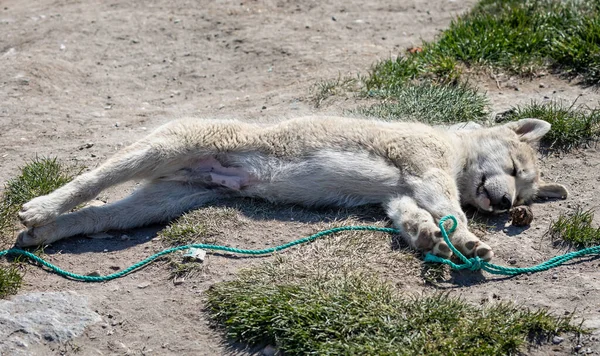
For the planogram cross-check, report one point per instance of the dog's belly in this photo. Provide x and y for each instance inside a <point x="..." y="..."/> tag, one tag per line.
<point x="325" y="177"/>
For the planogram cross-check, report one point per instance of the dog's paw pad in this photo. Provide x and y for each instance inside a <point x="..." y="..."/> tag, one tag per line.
<point x="478" y="248"/>
<point x="442" y="250"/>
<point x="428" y="235"/>
<point x="484" y="252"/>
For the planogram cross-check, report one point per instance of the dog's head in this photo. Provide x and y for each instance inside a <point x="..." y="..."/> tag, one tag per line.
<point x="500" y="170"/>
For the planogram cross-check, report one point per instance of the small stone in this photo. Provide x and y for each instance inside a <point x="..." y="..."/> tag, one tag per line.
<point x="557" y="340"/>
<point x="143" y="285"/>
<point x="555" y="276"/>
<point x="512" y="261"/>
<point x="578" y="347"/>
<point x="542" y="85"/>
<point x="105" y="250"/>
<point x="125" y="237"/>
<point x="269" y="351"/>
<point x="264" y="108"/>
<point x="94" y="274"/>
<point x="521" y="216"/>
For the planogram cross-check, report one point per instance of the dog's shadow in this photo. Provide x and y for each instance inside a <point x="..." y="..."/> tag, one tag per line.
<point x="258" y="210"/>
<point x="252" y="209"/>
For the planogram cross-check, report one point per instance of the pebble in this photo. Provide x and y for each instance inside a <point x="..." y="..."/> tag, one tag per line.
<point x="555" y="276"/>
<point x="143" y="285"/>
<point x="269" y="351"/>
<point x="578" y="347"/>
<point x="94" y="274"/>
<point x="557" y="340"/>
<point x="125" y="237"/>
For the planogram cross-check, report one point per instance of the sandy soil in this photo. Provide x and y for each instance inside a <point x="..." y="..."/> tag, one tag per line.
<point x="106" y="72"/>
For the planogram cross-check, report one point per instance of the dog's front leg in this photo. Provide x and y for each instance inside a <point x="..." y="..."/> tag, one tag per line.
<point x="436" y="193"/>
<point x="417" y="226"/>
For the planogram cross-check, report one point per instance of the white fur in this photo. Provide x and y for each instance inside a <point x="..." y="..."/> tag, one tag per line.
<point x="418" y="172"/>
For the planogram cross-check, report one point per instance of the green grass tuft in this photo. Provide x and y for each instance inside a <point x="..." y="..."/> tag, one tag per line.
<point x="429" y="103"/>
<point x="328" y="88"/>
<point x="330" y="298"/>
<point x="576" y="229"/>
<point x="360" y="315"/>
<point x="39" y="177"/>
<point x="199" y="226"/>
<point x="519" y="36"/>
<point x="10" y="280"/>
<point x="571" y="126"/>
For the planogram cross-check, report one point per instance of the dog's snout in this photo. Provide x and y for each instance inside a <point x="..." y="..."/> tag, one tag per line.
<point x="505" y="203"/>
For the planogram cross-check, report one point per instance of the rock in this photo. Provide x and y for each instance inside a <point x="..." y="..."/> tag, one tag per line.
<point x="557" y="340"/>
<point x="37" y="318"/>
<point x="143" y="285"/>
<point x="269" y="351"/>
<point x="521" y="216"/>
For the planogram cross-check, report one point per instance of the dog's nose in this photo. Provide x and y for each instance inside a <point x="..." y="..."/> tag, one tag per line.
<point x="505" y="203"/>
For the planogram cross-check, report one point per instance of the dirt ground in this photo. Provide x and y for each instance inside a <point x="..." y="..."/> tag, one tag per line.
<point x="81" y="79"/>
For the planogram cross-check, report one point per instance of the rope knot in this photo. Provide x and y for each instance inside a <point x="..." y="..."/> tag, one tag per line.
<point x="475" y="263"/>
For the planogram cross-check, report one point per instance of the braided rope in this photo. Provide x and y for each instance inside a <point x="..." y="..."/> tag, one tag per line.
<point x="473" y="264"/>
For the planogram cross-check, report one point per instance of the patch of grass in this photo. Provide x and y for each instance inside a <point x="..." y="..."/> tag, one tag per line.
<point x="354" y="312"/>
<point x="10" y="280"/>
<point x="338" y="296"/>
<point x="576" y="229"/>
<point x="329" y="88"/>
<point x="571" y="126"/>
<point x="39" y="177"/>
<point x="513" y="35"/>
<point x="430" y="103"/>
<point x="199" y="226"/>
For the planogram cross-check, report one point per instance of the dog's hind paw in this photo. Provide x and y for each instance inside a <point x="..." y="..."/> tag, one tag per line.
<point x="36" y="236"/>
<point x="38" y="212"/>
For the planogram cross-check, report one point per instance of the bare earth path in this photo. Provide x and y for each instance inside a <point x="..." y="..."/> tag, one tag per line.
<point x="106" y="72"/>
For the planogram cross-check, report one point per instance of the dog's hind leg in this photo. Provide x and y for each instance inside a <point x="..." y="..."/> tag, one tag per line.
<point x="154" y="156"/>
<point x="152" y="203"/>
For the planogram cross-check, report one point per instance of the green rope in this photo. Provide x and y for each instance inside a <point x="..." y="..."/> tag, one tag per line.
<point x="476" y="263"/>
<point x="79" y="277"/>
<point x="473" y="264"/>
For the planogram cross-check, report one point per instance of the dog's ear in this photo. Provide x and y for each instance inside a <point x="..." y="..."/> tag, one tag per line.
<point x="552" y="190"/>
<point x="529" y="130"/>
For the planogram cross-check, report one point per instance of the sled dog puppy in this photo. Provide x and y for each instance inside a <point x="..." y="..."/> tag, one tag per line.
<point x="419" y="173"/>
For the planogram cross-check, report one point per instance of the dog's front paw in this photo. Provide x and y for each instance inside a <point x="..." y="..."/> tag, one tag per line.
<point x="477" y="248"/>
<point x="37" y="236"/>
<point x="39" y="211"/>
